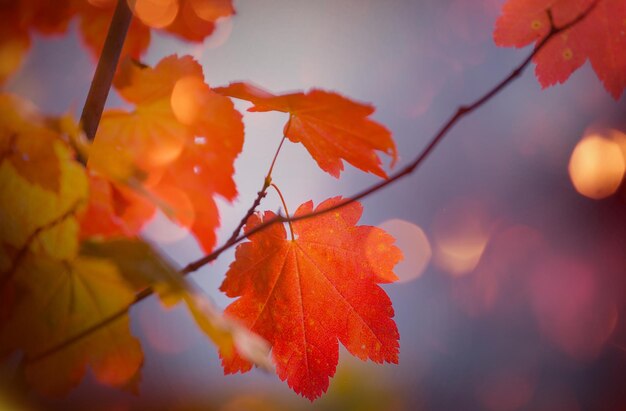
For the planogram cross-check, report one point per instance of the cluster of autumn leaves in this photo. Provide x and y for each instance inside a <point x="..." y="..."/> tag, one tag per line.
<point x="71" y="211"/>
<point x="192" y="20"/>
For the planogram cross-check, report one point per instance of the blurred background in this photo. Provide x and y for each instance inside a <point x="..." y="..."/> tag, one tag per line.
<point x="513" y="288"/>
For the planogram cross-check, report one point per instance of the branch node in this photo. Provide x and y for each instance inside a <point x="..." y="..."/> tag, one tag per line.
<point x="463" y="109"/>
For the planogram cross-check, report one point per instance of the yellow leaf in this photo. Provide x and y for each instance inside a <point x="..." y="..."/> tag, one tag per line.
<point x="57" y="300"/>
<point x="41" y="185"/>
<point x="25" y="207"/>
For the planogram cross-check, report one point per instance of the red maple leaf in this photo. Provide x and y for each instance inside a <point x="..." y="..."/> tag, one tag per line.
<point x="303" y="295"/>
<point x="330" y="126"/>
<point x="599" y="37"/>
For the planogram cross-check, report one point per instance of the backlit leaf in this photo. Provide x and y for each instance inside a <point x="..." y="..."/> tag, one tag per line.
<point x="40" y="184"/>
<point x="48" y="293"/>
<point x="181" y="141"/>
<point x="599" y="38"/>
<point x="57" y="300"/>
<point x="192" y="20"/>
<point x="330" y="126"/>
<point x="305" y="295"/>
<point x="196" y="19"/>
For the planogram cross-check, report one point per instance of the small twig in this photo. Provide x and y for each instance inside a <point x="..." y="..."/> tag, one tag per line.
<point x="260" y="196"/>
<point x="107" y="64"/>
<point x="282" y="200"/>
<point x="414" y="165"/>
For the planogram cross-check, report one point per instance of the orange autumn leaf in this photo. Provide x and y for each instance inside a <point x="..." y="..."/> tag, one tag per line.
<point x="133" y="143"/>
<point x="113" y="210"/>
<point x="196" y="19"/>
<point x="139" y="84"/>
<point x="180" y="141"/>
<point x="599" y="38"/>
<point x="331" y="127"/>
<point x="150" y="137"/>
<point x="305" y="294"/>
<point x="192" y="20"/>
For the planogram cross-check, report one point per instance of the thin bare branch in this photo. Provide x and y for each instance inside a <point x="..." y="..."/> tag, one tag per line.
<point x="260" y="196"/>
<point x="107" y="64"/>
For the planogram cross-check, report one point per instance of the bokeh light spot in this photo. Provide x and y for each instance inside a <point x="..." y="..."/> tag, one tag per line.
<point x="415" y="247"/>
<point x="219" y="37"/>
<point x="460" y="233"/>
<point x="596" y="167"/>
<point x="155" y="13"/>
<point x="188" y="98"/>
<point x="571" y="308"/>
<point x="506" y="390"/>
<point x="211" y="10"/>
